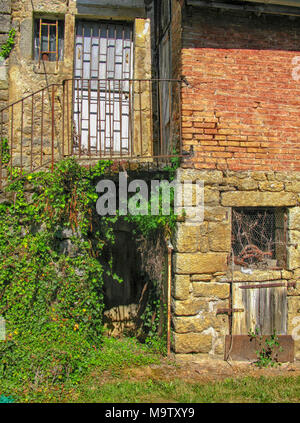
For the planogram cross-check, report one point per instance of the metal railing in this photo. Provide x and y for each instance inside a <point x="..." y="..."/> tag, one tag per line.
<point x="91" y="119"/>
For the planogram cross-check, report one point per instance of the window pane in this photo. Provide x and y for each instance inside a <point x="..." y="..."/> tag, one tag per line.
<point x="48" y="40"/>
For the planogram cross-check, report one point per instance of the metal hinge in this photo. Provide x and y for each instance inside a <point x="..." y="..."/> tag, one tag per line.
<point x="229" y="311"/>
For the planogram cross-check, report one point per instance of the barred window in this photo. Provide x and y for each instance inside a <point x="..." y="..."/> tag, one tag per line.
<point x="258" y="237"/>
<point x="48" y="39"/>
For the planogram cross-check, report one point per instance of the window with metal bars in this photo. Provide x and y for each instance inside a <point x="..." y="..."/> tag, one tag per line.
<point x="259" y="237"/>
<point x="48" y="40"/>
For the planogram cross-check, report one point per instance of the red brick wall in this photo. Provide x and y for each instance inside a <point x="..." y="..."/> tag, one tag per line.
<point x="243" y="108"/>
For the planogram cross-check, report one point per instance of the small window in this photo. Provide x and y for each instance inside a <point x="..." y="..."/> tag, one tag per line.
<point x="48" y="40"/>
<point x="258" y="238"/>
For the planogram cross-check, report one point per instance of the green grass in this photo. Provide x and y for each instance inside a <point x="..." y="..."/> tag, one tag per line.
<point x="115" y="355"/>
<point x="244" y="390"/>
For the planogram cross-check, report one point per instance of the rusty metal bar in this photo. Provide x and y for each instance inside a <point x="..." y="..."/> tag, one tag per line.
<point x="56" y="44"/>
<point x="170" y="250"/>
<point x="42" y="127"/>
<point x="70" y="144"/>
<point x="130" y="114"/>
<point x="11" y="139"/>
<point x="63" y="122"/>
<point x="180" y="117"/>
<point x="40" y="41"/>
<point x="32" y="129"/>
<point x="141" y="119"/>
<point x="22" y="124"/>
<point x="160" y="118"/>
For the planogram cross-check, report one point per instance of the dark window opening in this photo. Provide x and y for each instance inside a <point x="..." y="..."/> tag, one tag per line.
<point x="48" y="40"/>
<point x="258" y="237"/>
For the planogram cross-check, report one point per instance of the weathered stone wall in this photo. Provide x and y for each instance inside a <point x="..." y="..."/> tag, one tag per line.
<point x="201" y="265"/>
<point x="5" y="24"/>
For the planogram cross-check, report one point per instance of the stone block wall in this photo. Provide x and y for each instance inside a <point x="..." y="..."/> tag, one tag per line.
<point x="203" y="272"/>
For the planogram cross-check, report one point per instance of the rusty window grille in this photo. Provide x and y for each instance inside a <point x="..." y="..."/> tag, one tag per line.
<point x="48" y="40"/>
<point x="259" y="237"/>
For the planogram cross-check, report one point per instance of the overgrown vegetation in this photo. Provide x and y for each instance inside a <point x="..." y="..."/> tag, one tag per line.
<point x="267" y="354"/>
<point x="4" y="152"/>
<point x="55" y="251"/>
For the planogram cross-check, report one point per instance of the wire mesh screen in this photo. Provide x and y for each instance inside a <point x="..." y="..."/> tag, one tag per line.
<point x="258" y="237"/>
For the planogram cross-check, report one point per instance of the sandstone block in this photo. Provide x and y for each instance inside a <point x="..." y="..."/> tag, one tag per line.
<point x="4" y="23"/>
<point x="294" y="218"/>
<point x="293" y="186"/>
<point x="208" y="176"/>
<point x="192" y="343"/>
<point x="219" y="237"/>
<point x="211" y="289"/>
<point x="273" y="186"/>
<point x="211" y="196"/>
<point x="181" y="287"/>
<point x="216" y="214"/>
<point x="5" y="6"/>
<point x="259" y="176"/>
<point x="293" y="257"/>
<point x="190" y="307"/>
<point x="187" y="238"/>
<point x="197" y="324"/>
<point x="293" y="306"/>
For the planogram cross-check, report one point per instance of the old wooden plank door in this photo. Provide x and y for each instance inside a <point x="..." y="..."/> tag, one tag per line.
<point x="102" y="106"/>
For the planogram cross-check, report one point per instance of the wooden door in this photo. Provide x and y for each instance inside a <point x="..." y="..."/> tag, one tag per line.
<point x="263" y="308"/>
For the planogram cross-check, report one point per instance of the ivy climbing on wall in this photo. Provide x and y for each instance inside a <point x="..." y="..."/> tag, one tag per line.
<point x="7" y="47"/>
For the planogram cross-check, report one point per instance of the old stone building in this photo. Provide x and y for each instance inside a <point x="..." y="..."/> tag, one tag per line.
<point x="218" y="83"/>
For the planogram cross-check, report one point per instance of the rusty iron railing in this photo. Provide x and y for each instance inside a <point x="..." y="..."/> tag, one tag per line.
<point x="91" y="119"/>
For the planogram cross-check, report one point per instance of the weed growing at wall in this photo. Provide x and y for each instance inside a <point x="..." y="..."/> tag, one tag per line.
<point x="266" y="355"/>
<point x="7" y="47"/>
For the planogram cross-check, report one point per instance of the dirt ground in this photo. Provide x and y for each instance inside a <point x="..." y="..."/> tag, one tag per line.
<point x="208" y="370"/>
